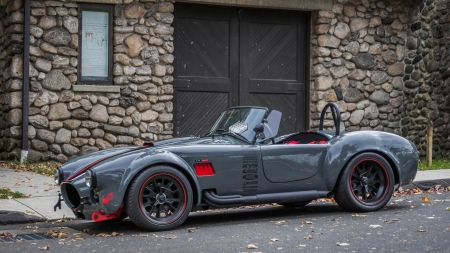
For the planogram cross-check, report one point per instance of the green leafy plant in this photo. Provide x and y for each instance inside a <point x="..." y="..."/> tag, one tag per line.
<point x="6" y="193"/>
<point x="438" y="163"/>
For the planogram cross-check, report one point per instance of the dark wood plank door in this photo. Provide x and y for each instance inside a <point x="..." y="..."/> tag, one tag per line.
<point x="273" y="46"/>
<point x="205" y="75"/>
<point x="230" y="56"/>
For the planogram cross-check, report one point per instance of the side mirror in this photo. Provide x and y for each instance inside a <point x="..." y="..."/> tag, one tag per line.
<point x="259" y="128"/>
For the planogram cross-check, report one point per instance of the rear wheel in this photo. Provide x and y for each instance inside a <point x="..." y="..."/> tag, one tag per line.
<point x="160" y="198"/>
<point x="366" y="183"/>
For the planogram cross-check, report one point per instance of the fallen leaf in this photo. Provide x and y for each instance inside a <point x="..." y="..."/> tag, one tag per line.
<point x="62" y="235"/>
<point x="86" y="230"/>
<point x="306" y="222"/>
<point x="280" y="222"/>
<point x="342" y="244"/>
<point x="447" y="229"/>
<point x="252" y="246"/>
<point x="28" y="211"/>
<point x="421" y="230"/>
<point x="302" y="245"/>
<point x="45" y="248"/>
<point x="375" y="226"/>
<point x="430" y="217"/>
<point x="425" y="199"/>
<point x="359" y="215"/>
<point x="274" y="240"/>
<point x="308" y="237"/>
<point x="101" y="235"/>
<point x="448" y="208"/>
<point x="192" y="229"/>
<point x="141" y="235"/>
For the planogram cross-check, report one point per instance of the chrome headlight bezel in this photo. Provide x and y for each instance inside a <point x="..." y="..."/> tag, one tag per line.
<point x="58" y="176"/>
<point x="90" y="179"/>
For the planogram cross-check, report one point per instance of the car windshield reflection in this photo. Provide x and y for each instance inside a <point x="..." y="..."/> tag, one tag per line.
<point x="240" y="121"/>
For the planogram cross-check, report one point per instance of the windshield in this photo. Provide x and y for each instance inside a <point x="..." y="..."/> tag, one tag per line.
<point x="241" y="121"/>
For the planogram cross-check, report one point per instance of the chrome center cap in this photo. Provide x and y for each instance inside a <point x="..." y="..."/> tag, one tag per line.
<point x="365" y="180"/>
<point x="161" y="198"/>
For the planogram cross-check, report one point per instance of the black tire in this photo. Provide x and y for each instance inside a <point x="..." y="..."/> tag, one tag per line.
<point x="366" y="184"/>
<point x="295" y="204"/>
<point x="148" y="204"/>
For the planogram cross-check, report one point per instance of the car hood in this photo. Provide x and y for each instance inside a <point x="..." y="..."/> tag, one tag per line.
<point x="80" y="164"/>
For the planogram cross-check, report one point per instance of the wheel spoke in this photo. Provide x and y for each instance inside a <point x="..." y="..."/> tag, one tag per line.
<point x="171" y="201"/>
<point x="168" y="187"/>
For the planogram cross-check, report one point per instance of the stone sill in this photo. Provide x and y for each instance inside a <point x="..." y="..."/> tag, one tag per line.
<point x="100" y="1"/>
<point x="96" y="88"/>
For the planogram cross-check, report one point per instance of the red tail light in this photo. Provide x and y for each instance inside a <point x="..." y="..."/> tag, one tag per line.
<point x="203" y="169"/>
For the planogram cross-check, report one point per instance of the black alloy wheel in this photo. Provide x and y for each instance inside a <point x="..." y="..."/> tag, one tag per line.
<point x="369" y="181"/>
<point x="160" y="198"/>
<point x="365" y="184"/>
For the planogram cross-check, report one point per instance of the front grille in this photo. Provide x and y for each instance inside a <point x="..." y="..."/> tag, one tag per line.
<point x="27" y="237"/>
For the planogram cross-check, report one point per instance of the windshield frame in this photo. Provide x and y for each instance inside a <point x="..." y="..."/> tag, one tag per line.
<point x="253" y="115"/>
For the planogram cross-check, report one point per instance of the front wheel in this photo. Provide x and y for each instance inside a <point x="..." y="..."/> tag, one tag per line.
<point x="366" y="183"/>
<point x="160" y="198"/>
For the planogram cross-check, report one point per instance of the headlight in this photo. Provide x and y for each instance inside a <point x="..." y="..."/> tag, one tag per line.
<point x="89" y="177"/>
<point x="57" y="176"/>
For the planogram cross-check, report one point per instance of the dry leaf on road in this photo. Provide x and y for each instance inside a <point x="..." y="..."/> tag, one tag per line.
<point x="282" y="222"/>
<point x="359" y="215"/>
<point x="375" y="226"/>
<point x="421" y="230"/>
<point x="425" y="199"/>
<point x="306" y="222"/>
<point x="45" y="248"/>
<point x="342" y="244"/>
<point x="192" y="229"/>
<point x="308" y="237"/>
<point x="274" y="239"/>
<point x="252" y="246"/>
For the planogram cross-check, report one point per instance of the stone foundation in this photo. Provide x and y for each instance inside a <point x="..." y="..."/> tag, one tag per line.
<point x="358" y="50"/>
<point x="65" y="123"/>
<point x="11" y="76"/>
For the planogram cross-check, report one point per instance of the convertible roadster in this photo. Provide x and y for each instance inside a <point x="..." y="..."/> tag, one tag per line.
<point x="241" y="161"/>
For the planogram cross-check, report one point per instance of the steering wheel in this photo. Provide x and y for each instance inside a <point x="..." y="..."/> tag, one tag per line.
<point x="336" y="116"/>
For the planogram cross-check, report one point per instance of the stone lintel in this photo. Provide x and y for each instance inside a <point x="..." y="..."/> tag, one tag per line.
<point x="325" y="5"/>
<point x="100" y="1"/>
<point x="96" y="88"/>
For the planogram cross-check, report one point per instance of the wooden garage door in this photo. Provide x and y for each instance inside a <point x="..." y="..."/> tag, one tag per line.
<point x="228" y="57"/>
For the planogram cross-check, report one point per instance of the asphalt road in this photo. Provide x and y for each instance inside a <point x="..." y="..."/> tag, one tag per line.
<point x="406" y="224"/>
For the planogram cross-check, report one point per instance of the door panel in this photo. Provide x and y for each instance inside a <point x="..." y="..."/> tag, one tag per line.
<point x="272" y="64"/>
<point x="205" y="77"/>
<point x="255" y="57"/>
<point x="197" y="111"/>
<point x="287" y="163"/>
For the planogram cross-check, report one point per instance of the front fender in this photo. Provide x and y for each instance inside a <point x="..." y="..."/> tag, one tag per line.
<point x="112" y="184"/>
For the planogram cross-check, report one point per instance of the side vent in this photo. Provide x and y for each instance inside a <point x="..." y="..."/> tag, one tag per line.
<point x="203" y="169"/>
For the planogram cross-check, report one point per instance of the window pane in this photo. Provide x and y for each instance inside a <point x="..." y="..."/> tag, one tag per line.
<point x="94" y="46"/>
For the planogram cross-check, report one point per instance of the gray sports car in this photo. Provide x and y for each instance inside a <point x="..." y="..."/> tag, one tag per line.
<point x="241" y="161"/>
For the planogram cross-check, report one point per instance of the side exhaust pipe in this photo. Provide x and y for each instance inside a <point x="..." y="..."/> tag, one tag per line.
<point x="284" y="197"/>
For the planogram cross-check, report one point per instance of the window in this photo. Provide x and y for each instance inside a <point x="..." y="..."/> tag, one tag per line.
<point x="95" y="44"/>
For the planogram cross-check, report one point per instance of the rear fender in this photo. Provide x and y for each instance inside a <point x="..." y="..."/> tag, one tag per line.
<point x="395" y="150"/>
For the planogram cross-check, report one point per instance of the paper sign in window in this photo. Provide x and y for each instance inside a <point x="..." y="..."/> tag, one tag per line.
<point x="94" y="42"/>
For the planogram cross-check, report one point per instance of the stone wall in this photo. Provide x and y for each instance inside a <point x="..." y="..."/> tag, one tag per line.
<point x="357" y="57"/>
<point x="427" y="82"/>
<point x="11" y="74"/>
<point x="65" y="123"/>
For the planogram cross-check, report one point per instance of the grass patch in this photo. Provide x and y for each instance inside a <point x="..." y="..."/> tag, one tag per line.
<point x="439" y="163"/>
<point x="6" y="193"/>
<point x="44" y="168"/>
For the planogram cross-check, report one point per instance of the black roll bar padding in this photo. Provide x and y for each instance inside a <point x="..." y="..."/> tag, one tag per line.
<point x="335" y="112"/>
